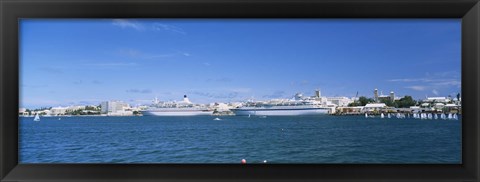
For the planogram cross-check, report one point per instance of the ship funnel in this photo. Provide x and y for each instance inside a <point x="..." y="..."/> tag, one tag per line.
<point x="185" y="99"/>
<point x="317" y="93"/>
<point x="298" y="96"/>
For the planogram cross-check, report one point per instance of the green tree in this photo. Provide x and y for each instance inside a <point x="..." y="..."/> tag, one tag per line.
<point x="387" y="102"/>
<point x="362" y="101"/>
<point x="405" y="102"/>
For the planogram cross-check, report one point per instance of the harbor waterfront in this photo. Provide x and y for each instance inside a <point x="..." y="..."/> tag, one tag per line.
<point x="297" y="106"/>
<point x="229" y="139"/>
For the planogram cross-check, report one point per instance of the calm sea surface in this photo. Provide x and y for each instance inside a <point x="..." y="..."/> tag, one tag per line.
<point x="319" y="139"/>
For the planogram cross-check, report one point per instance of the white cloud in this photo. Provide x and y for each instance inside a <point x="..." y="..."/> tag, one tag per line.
<point x="435" y="92"/>
<point x="170" y="28"/>
<point x="141" y="91"/>
<point x="406" y="80"/>
<point x="417" y="88"/>
<point x="437" y="81"/>
<point x="128" y="24"/>
<point x="448" y="83"/>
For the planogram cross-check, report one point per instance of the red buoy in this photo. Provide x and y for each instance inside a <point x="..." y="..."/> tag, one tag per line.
<point x="244" y="161"/>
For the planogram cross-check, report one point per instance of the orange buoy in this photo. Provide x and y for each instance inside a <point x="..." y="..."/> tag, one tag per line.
<point x="244" y="161"/>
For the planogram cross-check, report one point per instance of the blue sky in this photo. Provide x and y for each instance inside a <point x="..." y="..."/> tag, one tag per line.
<point x="67" y="62"/>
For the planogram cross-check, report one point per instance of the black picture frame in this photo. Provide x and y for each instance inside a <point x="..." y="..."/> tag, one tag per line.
<point x="12" y="10"/>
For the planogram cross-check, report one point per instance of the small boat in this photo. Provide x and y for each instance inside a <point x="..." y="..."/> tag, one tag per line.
<point x="37" y="117"/>
<point x="382" y="116"/>
<point x="389" y="116"/>
<point x="366" y="115"/>
<point x="217" y="119"/>
<point x="435" y="116"/>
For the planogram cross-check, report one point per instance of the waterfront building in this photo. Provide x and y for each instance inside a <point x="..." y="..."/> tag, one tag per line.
<point x="221" y="107"/>
<point x="381" y="97"/>
<point x="58" y="110"/>
<point x="349" y="110"/>
<point x="116" y="108"/>
<point x="45" y="112"/>
<point x="22" y="112"/>
<point x="437" y="100"/>
<point x="374" y="107"/>
<point x="438" y="106"/>
<point x="340" y="101"/>
<point x="391" y="97"/>
<point x="74" y="108"/>
<point x="452" y="108"/>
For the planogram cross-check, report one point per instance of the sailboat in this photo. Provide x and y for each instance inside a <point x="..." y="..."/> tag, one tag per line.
<point x="366" y="115"/>
<point x="382" y="116"/>
<point x="37" y="117"/>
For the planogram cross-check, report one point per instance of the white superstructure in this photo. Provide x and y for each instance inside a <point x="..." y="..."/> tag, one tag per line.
<point x="183" y="108"/>
<point x="284" y="107"/>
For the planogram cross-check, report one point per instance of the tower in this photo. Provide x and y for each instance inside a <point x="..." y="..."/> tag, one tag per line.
<point x="375" y="95"/>
<point x="317" y="93"/>
<point x="392" y="96"/>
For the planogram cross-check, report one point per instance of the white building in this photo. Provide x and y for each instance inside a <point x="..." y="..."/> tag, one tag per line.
<point x="45" y="112"/>
<point x="374" y="106"/>
<point x="58" y="110"/>
<point x="340" y="101"/>
<point x="116" y="108"/>
<point x="22" y="112"/>
<point x="437" y="100"/>
<point x="74" y="108"/>
<point x="221" y="107"/>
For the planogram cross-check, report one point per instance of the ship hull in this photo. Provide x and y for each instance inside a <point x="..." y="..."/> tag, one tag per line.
<point x="177" y="113"/>
<point x="281" y="112"/>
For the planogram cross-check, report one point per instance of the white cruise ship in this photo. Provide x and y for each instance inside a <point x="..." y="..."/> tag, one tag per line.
<point x="284" y="107"/>
<point x="183" y="108"/>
